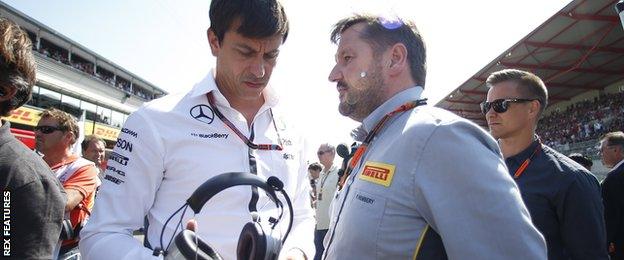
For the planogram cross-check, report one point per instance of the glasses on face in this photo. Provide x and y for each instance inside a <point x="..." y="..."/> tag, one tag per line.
<point x="501" y="105"/>
<point x="319" y="153"/>
<point x="47" y="129"/>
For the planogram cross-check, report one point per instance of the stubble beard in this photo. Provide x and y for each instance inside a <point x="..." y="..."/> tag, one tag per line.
<point x="360" y="101"/>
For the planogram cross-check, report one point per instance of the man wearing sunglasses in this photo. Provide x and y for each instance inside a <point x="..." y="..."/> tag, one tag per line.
<point x="55" y="134"/>
<point x="563" y="198"/>
<point x="325" y="188"/>
<point x="33" y="198"/>
<point x="230" y="121"/>
<point x="424" y="183"/>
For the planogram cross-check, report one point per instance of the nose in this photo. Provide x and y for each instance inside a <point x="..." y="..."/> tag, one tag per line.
<point x="334" y="74"/>
<point x="258" y="68"/>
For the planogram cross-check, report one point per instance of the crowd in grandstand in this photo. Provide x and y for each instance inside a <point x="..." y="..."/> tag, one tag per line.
<point x="88" y="68"/>
<point x="582" y="121"/>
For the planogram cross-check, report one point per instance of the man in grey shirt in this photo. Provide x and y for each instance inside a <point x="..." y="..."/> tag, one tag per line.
<point x="425" y="183"/>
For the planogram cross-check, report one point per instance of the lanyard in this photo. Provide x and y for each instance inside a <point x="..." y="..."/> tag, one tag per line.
<point x="526" y="162"/>
<point x="357" y="156"/>
<point x="240" y="135"/>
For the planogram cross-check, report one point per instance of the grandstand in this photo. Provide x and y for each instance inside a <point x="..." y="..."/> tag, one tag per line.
<point x="578" y="52"/>
<point x="75" y="79"/>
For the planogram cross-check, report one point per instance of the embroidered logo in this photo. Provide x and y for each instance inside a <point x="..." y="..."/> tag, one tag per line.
<point x="379" y="173"/>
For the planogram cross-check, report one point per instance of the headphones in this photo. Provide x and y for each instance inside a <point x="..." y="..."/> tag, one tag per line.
<point x="255" y="241"/>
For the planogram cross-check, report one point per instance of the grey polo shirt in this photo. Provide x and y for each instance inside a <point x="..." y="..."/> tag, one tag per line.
<point x="433" y="186"/>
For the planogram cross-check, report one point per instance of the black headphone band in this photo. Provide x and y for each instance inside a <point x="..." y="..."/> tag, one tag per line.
<point x="224" y="181"/>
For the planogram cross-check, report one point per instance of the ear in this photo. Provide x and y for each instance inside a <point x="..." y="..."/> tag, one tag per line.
<point x="534" y="109"/>
<point x="398" y="59"/>
<point x="7" y="93"/>
<point x="213" y="41"/>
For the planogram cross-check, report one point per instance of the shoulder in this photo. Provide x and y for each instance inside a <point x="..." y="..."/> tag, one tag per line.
<point x="441" y="125"/>
<point x="566" y="169"/>
<point x="22" y="168"/>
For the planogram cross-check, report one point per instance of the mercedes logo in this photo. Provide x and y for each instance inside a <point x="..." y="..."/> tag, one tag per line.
<point x="202" y="113"/>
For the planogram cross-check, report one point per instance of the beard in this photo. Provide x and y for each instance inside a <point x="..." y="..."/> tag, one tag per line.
<point x="364" y="96"/>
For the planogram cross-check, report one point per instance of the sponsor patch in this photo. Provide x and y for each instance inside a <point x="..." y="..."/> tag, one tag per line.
<point x="118" y="158"/>
<point x="129" y="132"/>
<point x="288" y="156"/>
<point x="115" y="170"/>
<point x="202" y="113"/>
<point x="113" y="179"/>
<point x="123" y="144"/>
<point x="379" y="173"/>
<point x="210" y="136"/>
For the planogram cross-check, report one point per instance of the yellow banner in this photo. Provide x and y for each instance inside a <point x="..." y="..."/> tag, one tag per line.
<point x="104" y="132"/>
<point x="25" y="115"/>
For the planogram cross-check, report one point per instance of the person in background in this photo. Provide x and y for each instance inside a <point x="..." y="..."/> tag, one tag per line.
<point x="612" y="156"/>
<point x="55" y="134"/>
<point x="30" y="191"/>
<point x="563" y="198"/>
<point x="582" y="160"/>
<point x="326" y="186"/>
<point x="93" y="149"/>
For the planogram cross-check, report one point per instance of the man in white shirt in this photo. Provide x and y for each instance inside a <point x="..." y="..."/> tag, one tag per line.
<point x="228" y="122"/>
<point x="325" y="188"/>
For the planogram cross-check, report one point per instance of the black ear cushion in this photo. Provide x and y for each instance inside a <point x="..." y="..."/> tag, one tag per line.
<point x="185" y="241"/>
<point x="251" y="243"/>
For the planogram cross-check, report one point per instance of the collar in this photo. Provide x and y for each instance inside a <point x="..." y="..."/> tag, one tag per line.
<point x="208" y="84"/>
<point x="5" y="131"/>
<point x="618" y="164"/>
<point x="520" y="157"/>
<point x="410" y="94"/>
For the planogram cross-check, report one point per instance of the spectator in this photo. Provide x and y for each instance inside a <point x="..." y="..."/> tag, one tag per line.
<point x="35" y="197"/>
<point x="560" y="194"/>
<point x="314" y="171"/>
<point x="93" y="149"/>
<point x="612" y="154"/>
<point x="55" y="134"/>
<point x="326" y="187"/>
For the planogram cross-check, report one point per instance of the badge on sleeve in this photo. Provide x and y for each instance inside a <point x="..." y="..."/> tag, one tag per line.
<point x="379" y="173"/>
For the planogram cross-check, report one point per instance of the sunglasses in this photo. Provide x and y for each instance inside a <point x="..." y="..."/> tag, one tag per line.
<point x="322" y="152"/>
<point x="46" y="129"/>
<point x="501" y="105"/>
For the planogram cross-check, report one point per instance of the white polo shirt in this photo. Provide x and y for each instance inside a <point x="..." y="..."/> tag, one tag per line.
<point x="172" y="145"/>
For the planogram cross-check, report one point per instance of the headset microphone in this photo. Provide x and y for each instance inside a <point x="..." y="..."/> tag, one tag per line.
<point x="343" y="151"/>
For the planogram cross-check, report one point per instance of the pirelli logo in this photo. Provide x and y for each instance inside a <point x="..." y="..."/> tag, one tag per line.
<point x="379" y="173"/>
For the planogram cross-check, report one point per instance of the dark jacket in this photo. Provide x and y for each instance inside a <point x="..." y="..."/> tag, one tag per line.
<point x="613" y="198"/>
<point x="33" y="201"/>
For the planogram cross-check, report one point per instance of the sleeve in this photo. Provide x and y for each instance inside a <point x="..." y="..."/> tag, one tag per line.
<point x="580" y="211"/>
<point x="302" y="234"/>
<point x="612" y="197"/>
<point x="126" y="195"/>
<point x="464" y="191"/>
<point x="83" y="181"/>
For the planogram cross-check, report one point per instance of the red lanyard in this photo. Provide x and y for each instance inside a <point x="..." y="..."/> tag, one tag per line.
<point x="526" y="162"/>
<point x="357" y="156"/>
<point x="240" y="135"/>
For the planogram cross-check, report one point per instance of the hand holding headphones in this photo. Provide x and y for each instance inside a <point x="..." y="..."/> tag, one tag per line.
<point x="256" y="241"/>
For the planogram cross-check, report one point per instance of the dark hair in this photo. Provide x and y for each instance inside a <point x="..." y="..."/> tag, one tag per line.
<point x="382" y="33"/>
<point x="614" y="138"/>
<point x="66" y="122"/>
<point x="315" y="167"/>
<point x="91" y="138"/>
<point x="258" y="18"/>
<point x="582" y="160"/>
<point x="17" y="65"/>
<point x="530" y="85"/>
